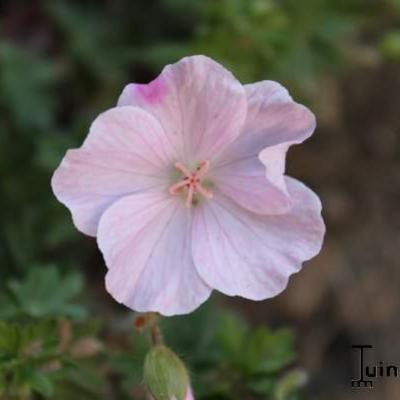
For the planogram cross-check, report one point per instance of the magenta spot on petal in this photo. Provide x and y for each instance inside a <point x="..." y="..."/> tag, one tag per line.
<point x="151" y="92"/>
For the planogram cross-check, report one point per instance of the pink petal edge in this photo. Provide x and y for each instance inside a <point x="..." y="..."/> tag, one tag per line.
<point x="126" y="151"/>
<point x="145" y="240"/>
<point x="199" y="103"/>
<point x="243" y="254"/>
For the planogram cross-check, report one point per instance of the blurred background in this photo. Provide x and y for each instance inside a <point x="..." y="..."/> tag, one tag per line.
<point x="63" y="62"/>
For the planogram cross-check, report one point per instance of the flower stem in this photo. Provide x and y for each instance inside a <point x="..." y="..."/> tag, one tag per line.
<point x="149" y="321"/>
<point x="156" y="335"/>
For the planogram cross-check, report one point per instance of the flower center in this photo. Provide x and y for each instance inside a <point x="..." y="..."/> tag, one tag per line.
<point x="191" y="182"/>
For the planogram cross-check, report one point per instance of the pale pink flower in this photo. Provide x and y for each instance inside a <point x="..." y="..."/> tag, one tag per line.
<point x="183" y="184"/>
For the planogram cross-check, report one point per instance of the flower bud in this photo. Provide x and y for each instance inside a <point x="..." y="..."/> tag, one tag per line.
<point x="189" y="394"/>
<point x="165" y="375"/>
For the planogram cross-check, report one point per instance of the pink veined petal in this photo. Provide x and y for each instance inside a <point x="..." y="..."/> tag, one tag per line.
<point x="199" y="103"/>
<point x="145" y="240"/>
<point x="241" y="253"/>
<point x="273" y="117"/>
<point x="254" y="187"/>
<point x="274" y="122"/>
<point x="125" y="152"/>
<point x="131" y="129"/>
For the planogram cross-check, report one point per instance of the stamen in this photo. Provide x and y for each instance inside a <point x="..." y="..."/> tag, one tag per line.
<point x="174" y="188"/>
<point x="183" y="169"/>
<point x="206" y="193"/>
<point x="192" y="182"/>
<point x="204" y="165"/>
<point x="189" y="198"/>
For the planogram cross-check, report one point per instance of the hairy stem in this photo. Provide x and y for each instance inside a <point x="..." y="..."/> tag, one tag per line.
<point x="156" y="335"/>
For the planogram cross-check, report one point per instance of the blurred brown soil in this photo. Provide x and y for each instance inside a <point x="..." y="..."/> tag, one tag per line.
<point x="349" y="294"/>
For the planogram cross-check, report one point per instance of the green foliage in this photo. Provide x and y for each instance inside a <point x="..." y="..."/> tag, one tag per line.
<point x="245" y="362"/>
<point x="297" y="43"/>
<point x="41" y="351"/>
<point x="48" y="358"/>
<point x="27" y="131"/>
<point x="26" y="351"/>
<point x="226" y="358"/>
<point x="279" y="35"/>
<point x="33" y="105"/>
<point x="390" y="45"/>
<point x="255" y="358"/>
<point x="44" y="292"/>
<point x="255" y="352"/>
<point x="287" y="387"/>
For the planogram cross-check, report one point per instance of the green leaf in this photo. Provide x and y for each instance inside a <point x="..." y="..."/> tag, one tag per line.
<point x="27" y="340"/>
<point x="80" y="382"/>
<point x="9" y="340"/>
<point x="261" y="386"/>
<point x="26" y="82"/>
<point x="39" y="382"/>
<point x="390" y="45"/>
<point x="266" y="351"/>
<point x="45" y="293"/>
<point x="289" y="384"/>
<point x="231" y="336"/>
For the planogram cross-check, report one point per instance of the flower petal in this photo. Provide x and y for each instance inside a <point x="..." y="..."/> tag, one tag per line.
<point x="198" y="102"/>
<point x="133" y="130"/>
<point x="126" y="151"/>
<point x="273" y="118"/>
<point x="145" y="240"/>
<point x="254" y="187"/>
<point x="274" y="122"/>
<point x="241" y="253"/>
